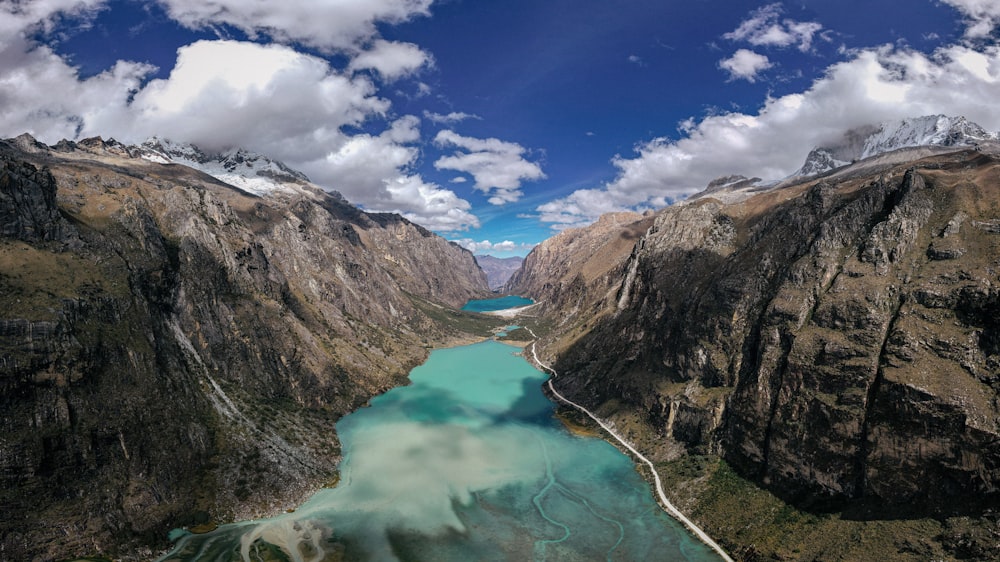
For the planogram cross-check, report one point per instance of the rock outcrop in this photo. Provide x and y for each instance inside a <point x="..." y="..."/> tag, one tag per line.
<point x="174" y="350"/>
<point x="834" y="340"/>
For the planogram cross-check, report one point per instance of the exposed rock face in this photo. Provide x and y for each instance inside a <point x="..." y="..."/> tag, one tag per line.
<point x="28" y="203"/>
<point x="576" y="273"/>
<point x="498" y="270"/>
<point x="170" y="345"/>
<point x="836" y="341"/>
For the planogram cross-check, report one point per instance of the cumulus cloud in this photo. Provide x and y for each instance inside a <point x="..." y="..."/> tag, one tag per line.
<point x="375" y="171"/>
<point x="745" y="65"/>
<point x="874" y="85"/>
<point x="340" y="25"/>
<point x="982" y="16"/>
<point x="42" y="15"/>
<point x="269" y="98"/>
<point x="220" y="94"/>
<point x="765" y="27"/>
<point x="485" y="246"/>
<point x="391" y="59"/>
<point x="497" y="166"/>
<point x="39" y="92"/>
<point x="449" y="118"/>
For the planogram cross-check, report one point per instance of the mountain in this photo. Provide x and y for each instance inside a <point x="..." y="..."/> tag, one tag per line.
<point x="865" y="142"/>
<point x="246" y="170"/>
<point x="833" y="344"/>
<point x="175" y="350"/>
<point x="498" y="270"/>
<point x="569" y="272"/>
<point x="890" y="142"/>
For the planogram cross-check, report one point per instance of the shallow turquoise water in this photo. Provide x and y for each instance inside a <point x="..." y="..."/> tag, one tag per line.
<point x="466" y="463"/>
<point x="489" y="305"/>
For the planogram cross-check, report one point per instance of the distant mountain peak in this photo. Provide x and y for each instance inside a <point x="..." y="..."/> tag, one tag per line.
<point x="498" y="270"/>
<point x="865" y="142"/>
<point x="239" y="167"/>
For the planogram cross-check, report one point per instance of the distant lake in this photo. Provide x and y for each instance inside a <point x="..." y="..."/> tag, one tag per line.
<point x="502" y="303"/>
<point x="467" y="463"/>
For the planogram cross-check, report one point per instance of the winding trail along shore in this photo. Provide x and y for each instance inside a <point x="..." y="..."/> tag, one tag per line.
<point x="667" y="505"/>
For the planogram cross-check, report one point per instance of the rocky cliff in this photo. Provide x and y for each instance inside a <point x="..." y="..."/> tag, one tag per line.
<point x="835" y="340"/>
<point x="174" y="350"/>
<point x="574" y="274"/>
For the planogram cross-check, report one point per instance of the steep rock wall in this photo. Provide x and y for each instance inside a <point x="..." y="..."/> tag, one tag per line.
<point x="174" y="350"/>
<point x="834" y="341"/>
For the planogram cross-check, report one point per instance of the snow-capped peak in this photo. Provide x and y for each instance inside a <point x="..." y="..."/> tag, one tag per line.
<point x="246" y="170"/>
<point x="865" y="142"/>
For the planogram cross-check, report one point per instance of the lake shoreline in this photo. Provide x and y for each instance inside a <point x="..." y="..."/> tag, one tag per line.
<point x="474" y="378"/>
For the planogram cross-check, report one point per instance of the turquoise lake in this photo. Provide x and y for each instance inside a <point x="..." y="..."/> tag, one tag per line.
<point x="489" y="305"/>
<point x="466" y="463"/>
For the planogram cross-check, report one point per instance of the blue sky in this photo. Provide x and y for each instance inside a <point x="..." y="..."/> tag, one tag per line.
<point x="497" y="123"/>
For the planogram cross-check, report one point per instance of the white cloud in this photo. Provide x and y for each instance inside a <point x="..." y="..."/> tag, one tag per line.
<point x="765" y="27"/>
<point x="745" y="65"/>
<point x="39" y="92"/>
<point x="982" y="16"/>
<point x="391" y="59"/>
<point x="336" y="25"/>
<point x="19" y="17"/>
<point x="271" y="99"/>
<point x="873" y="86"/>
<point x="450" y="118"/>
<point x="220" y="94"/>
<point x="497" y="166"/>
<point x="636" y="59"/>
<point x="429" y="205"/>
<point x="485" y="246"/>
<point x="375" y="172"/>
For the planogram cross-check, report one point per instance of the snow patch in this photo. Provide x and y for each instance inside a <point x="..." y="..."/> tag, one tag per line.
<point x="865" y="142"/>
<point x="240" y="168"/>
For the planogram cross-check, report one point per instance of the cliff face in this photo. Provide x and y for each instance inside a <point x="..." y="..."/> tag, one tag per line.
<point x="836" y="341"/>
<point x="576" y="274"/>
<point x="172" y="348"/>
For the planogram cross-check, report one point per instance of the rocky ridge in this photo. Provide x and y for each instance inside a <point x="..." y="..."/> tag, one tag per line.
<point x="498" y="270"/>
<point x="889" y="142"/>
<point x="835" y="340"/>
<point x="573" y="275"/>
<point x="238" y="167"/>
<point x="175" y="350"/>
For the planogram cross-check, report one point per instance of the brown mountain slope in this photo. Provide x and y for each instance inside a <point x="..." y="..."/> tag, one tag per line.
<point x="834" y="341"/>
<point x="172" y="348"/>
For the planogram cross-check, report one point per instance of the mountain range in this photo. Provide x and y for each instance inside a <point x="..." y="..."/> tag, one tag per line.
<point x="813" y="364"/>
<point x="893" y="141"/>
<point x="174" y="350"/>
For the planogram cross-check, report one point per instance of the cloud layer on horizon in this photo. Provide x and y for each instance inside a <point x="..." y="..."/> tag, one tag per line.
<point x="487" y="247"/>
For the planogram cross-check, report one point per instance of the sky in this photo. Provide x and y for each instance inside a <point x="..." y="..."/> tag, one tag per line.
<point x="497" y="123"/>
